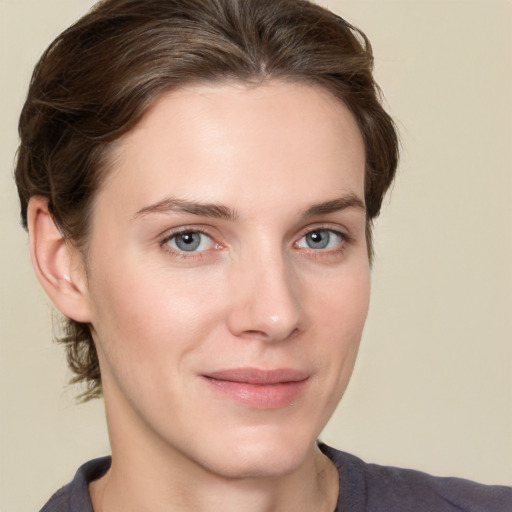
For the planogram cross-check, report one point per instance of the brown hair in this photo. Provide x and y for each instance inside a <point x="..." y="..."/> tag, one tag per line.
<point x="98" y="78"/>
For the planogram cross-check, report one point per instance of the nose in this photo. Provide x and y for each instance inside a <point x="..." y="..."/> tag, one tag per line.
<point x="265" y="302"/>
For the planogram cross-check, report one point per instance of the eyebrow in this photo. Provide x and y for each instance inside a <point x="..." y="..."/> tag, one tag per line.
<point x="171" y="204"/>
<point x="220" y="211"/>
<point x="335" y="205"/>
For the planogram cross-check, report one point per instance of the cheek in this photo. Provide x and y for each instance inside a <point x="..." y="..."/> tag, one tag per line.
<point x="339" y="316"/>
<point x="343" y="301"/>
<point x="145" y="314"/>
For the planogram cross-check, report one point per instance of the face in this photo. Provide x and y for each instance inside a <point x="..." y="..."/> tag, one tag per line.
<point x="228" y="276"/>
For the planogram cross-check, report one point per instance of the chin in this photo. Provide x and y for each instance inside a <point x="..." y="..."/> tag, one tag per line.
<point x="263" y="452"/>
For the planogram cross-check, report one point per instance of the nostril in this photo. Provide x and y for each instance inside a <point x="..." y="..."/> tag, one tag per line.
<point x="269" y="335"/>
<point x="255" y="332"/>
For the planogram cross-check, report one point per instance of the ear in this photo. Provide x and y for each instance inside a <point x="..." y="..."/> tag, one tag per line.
<point x="58" y="265"/>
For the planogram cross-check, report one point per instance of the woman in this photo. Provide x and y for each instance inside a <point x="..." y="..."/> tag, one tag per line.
<point x="199" y="181"/>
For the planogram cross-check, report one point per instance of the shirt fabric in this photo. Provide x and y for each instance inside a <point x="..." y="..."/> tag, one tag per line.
<point x="363" y="488"/>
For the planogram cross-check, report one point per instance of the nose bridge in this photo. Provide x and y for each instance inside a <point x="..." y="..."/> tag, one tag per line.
<point x="266" y="300"/>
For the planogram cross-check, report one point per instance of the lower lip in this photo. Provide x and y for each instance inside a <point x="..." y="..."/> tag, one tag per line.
<point x="260" y="396"/>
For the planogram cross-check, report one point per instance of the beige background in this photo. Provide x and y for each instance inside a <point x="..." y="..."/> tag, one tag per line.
<point x="433" y="385"/>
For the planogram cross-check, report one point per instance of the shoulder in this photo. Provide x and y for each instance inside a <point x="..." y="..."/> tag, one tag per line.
<point x="374" y="488"/>
<point x="74" y="497"/>
<point x="415" y="490"/>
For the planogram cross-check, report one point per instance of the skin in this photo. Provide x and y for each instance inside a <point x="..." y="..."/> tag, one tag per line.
<point x="254" y="294"/>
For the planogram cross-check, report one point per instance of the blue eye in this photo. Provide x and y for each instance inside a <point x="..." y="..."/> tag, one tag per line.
<point x="190" y="241"/>
<point x="320" y="239"/>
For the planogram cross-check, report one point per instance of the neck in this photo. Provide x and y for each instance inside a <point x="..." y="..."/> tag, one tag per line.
<point x="149" y="487"/>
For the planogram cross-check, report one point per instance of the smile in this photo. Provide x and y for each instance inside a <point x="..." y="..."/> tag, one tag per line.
<point x="259" y="389"/>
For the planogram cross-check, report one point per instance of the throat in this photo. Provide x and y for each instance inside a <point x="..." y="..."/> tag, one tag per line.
<point x="311" y="491"/>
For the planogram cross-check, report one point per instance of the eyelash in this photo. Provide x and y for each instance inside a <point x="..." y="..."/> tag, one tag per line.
<point x="344" y="237"/>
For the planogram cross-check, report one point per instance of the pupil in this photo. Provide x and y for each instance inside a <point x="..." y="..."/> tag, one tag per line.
<point x="188" y="241"/>
<point x="318" y="239"/>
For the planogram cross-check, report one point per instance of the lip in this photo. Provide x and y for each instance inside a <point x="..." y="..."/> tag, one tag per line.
<point x="258" y="388"/>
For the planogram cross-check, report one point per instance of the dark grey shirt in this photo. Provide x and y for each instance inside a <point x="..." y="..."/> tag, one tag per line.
<point x="363" y="488"/>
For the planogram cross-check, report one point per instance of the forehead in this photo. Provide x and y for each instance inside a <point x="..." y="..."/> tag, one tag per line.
<point x="278" y="134"/>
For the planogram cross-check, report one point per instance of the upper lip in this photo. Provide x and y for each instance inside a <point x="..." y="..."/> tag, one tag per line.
<point x="259" y="376"/>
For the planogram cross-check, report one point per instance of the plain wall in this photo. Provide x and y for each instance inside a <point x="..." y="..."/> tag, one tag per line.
<point x="433" y="385"/>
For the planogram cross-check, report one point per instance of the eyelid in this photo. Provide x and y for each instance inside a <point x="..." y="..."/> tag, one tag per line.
<point x="335" y="228"/>
<point x="183" y="229"/>
<point x="164" y="236"/>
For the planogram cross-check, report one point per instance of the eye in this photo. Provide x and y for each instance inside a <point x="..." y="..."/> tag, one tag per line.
<point x="321" y="239"/>
<point x="190" y="241"/>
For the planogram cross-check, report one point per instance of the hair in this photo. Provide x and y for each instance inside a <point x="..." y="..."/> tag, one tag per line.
<point x="98" y="78"/>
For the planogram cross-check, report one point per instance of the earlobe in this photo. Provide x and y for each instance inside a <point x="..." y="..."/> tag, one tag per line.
<point x="58" y="265"/>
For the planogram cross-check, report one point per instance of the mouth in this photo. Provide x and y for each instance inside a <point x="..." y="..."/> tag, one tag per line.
<point x="259" y="389"/>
